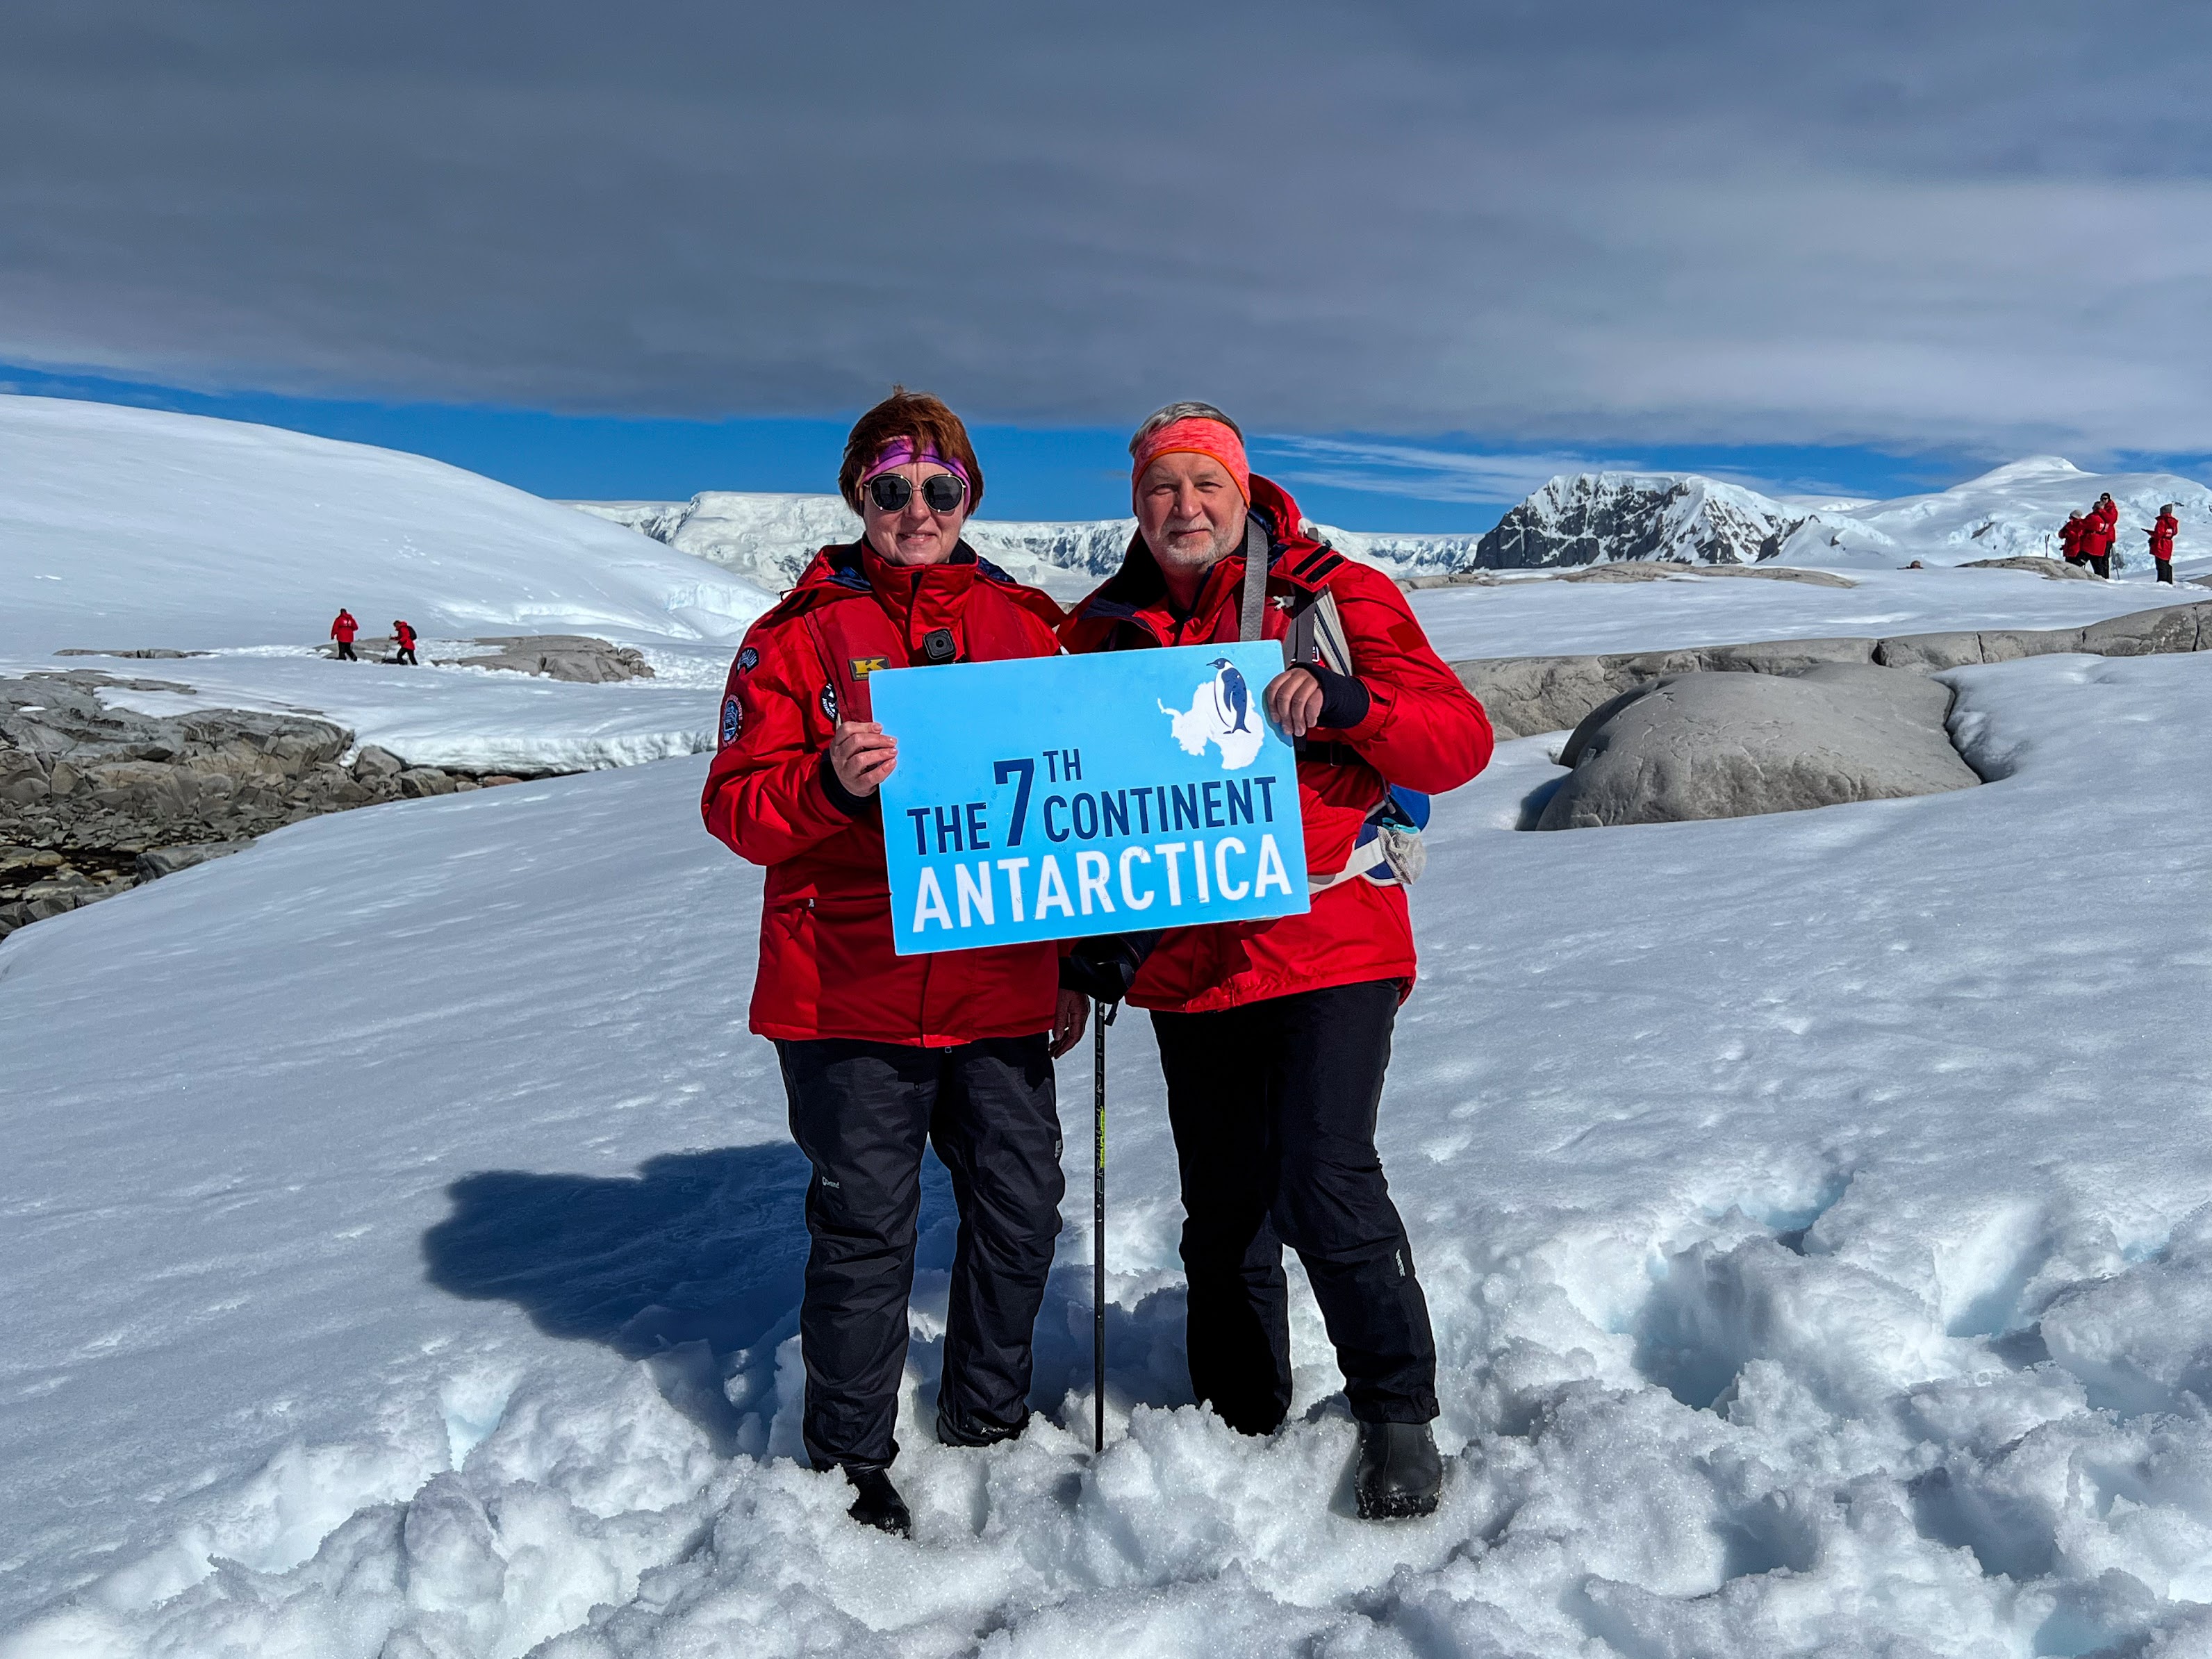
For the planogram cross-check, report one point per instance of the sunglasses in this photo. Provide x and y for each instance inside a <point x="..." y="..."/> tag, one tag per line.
<point x="940" y="491"/>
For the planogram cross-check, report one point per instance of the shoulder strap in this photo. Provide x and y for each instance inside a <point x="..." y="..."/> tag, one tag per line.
<point x="1252" y="621"/>
<point x="1316" y="633"/>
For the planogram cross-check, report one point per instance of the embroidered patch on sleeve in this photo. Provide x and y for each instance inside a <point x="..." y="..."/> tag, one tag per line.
<point x="748" y="660"/>
<point x="733" y="720"/>
<point x="829" y="702"/>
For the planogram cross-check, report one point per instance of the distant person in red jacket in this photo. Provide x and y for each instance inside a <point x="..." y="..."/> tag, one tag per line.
<point x="1274" y="1036"/>
<point x="2105" y="530"/>
<point x="881" y="1053"/>
<point x="343" y="630"/>
<point x="402" y="637"/>
<point x="2161" y="536"/>
<point x="2072" y="537"/>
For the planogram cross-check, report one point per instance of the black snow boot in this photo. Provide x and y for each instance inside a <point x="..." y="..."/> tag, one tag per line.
<point x="879" y="1505"/>
<point x="1398" y="1474"/>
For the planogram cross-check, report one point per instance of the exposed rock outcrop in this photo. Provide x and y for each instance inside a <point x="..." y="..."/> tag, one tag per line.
<point x="1722" y="745"/>
<point x="574" y="657"/>
<point x="1586" y="518"/>
<point x="95" y="799"/>
<point x="1527" y="695"/>
<point x="2057" y="570"/>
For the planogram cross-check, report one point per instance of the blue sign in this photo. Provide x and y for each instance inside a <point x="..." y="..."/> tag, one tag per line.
<point x="1055" y="797"/>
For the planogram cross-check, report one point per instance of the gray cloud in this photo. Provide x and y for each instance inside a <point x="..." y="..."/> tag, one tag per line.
<point x="1974" y="225"/>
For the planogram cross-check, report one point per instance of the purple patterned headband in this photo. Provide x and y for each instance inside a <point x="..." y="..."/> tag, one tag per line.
<point x="900" y="452"/>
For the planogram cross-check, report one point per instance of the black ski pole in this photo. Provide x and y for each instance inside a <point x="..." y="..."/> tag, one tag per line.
<point x="1103" y="1014"/>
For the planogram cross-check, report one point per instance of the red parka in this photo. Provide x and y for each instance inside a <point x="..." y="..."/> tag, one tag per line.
<point x="2070" y="536"/>
<point x="2161" y="537"/>
<point x="344" y="627"/>
<point x="1423" y="731"/>
<point x="2104" y="529"/>
<point x="827" y="968"/>
<point x="404" y="635"/>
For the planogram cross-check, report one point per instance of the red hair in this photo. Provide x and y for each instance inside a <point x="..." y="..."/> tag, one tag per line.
<point x="923" y="421"/>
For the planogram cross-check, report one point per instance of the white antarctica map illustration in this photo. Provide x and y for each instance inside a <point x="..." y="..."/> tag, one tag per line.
<point x="1223" y="712"/>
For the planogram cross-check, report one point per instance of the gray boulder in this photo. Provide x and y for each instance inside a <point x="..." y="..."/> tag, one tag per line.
<point x="375" y="761"/>
<point x="1726" y="745"/>
<point x="158" y="861"/>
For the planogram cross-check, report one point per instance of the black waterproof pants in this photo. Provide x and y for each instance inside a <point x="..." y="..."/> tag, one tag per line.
<point x="345" y="651"/>
<point x="861" y="1112"/>
<point x="2102" y="564"/>
<point x="1272" y="1106"/>
<point x="2165" y="569"/>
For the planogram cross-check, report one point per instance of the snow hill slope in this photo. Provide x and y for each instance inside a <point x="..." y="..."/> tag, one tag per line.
<point x="769" y="538"/>
<point x="402" y="1253"/>
<point x="2014" y="510"/>
<point x="2017" y="510"/>
<point x="130" y="527"/>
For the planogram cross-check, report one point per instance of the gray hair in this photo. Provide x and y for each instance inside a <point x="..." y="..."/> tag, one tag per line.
<point x="1189" y="409"/>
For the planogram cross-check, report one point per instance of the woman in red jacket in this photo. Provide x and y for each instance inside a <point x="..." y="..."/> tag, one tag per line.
<point x="881" y="1053"/>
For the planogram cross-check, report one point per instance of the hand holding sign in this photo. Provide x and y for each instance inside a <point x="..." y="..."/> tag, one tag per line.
<point x="862" y="755"/>
<point x="1065" y="796"/>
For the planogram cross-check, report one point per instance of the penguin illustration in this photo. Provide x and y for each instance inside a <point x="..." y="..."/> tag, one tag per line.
<point x="1230" y="694"/>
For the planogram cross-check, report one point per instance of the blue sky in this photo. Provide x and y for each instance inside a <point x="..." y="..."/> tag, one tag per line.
<point x="1359" y="482"/>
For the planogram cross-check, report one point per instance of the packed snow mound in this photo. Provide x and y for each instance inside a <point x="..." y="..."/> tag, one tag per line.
<point x="1587" y="517"/>
<point x="128" y="528"/>
<point x="405" y="1247"/>
<point x="769" y="538"/>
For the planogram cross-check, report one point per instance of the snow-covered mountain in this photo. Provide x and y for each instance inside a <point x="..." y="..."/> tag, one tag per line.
<point x="767" y="538"/>
<point x="2015" y="510"/>
<point x="1589" y="518"/>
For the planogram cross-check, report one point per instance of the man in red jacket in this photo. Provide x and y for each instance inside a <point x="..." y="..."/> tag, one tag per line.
<point x="882" y="1054"/>
<point x="2104" y="532"/>
<point x="2161" y="536"/>
<point x="402" y="640"/>
<point x="343" y="630"/>
<point x="1274" y="1036"/>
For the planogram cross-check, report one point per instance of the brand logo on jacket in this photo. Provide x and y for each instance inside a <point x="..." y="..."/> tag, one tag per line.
<point x="829" y="703"/>
<point x="864" y="666"/>
<point x="748" y="660"/>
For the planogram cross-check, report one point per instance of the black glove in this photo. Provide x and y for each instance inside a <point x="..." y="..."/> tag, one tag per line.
<point x="1105" y="967"/>
<point x="1344" y="699"/>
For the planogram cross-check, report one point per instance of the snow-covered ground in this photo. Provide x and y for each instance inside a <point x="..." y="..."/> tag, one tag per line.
<point x="1538" y="617"/>
<point x="129" y="529"/>
<point x="402" y="1243"/>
